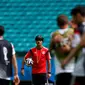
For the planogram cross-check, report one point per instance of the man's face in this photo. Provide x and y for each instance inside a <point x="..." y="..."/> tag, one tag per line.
<point x="73" y="24"/>
<point x="39" y="42"/>
<point x="77" y="18"/>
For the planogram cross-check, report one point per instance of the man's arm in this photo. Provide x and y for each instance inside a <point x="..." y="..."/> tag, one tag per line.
<point x="16" y="78"/>
<point x="82" y="43"/>
<point x="76" y="50"/>
<point x="76" y="47"/>
<point x="23" y="62"/>
<point x="26" y="56"/>
<point x="49" y="68"/>
<point x="14" y="62"/>
<point x="68" y="58"/>
<point x="66" y="48"/>
<point x="48" y="57"/>
<point x="22" y="68"/>
<point x="49" y="65"/>
<point x="55" y="38"/>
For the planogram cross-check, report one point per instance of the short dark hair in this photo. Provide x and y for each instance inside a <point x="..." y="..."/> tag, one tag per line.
<point x="39" y="37"/>
<point x="1" y="30"/>
<point x="62" y="20"/>
<point x="78" y="9"/>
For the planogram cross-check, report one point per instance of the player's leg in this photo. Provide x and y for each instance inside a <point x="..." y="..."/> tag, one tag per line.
<point x="59" y="78"/>
<point x="43" y="79"/>
<point x="63" y="79"/>
<point x="4" y="82"/>
<point x="79" y="81"/>
<point x="73" y="80"/>
<point x="39" y="79"/>
<point x="34" y="79"/>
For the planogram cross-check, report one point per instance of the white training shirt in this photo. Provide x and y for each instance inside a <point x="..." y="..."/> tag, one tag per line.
<point x="69" y="68"/>
<point x="79" y="66"/>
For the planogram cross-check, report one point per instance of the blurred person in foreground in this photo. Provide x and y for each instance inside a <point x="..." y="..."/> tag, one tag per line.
<point x="78" y="14"/>
<point x="7" y="59"/>
<point x="60" y="46"/>
<point x="40" y="56"/>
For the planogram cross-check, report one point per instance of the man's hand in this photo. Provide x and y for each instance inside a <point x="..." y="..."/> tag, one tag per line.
<point x="63" y="63"/>
<point x="57" y="39"/>
<point x="82" y="43"/>
<point x="16" y="80"/>
<point x="48" y="75"/>
<point x="22" y="72"/>
<point x="65" y="48"/>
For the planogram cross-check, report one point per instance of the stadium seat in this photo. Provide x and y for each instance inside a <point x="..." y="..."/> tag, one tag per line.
<point x="24" y="19"/>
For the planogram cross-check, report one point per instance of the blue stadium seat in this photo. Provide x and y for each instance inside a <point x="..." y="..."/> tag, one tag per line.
<point x="24" y="19"/>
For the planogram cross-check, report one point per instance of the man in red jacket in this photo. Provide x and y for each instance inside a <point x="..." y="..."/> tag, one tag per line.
<point x="40" y="55"/>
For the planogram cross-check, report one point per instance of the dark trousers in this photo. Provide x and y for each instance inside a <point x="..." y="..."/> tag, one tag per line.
<point x="63" y="79"/>
<point x="39" y="79"/>
<point x="4" y="82"/>
<point x="79" y="81"/>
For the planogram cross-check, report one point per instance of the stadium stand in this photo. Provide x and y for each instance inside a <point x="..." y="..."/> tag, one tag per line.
<point x="24" y="19"/>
